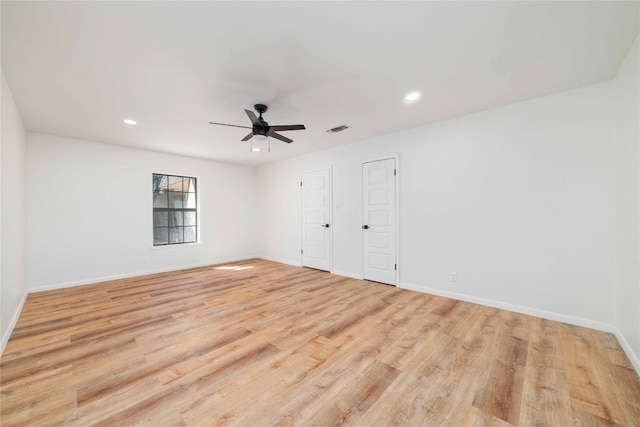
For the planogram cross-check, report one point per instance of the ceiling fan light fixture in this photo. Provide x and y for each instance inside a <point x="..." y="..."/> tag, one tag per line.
<point x="259" y="138"/>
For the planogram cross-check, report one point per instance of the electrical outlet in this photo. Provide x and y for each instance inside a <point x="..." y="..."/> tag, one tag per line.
<point x="453" y="276"/>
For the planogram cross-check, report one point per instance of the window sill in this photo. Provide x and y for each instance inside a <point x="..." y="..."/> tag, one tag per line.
<point x="174" y="246"/>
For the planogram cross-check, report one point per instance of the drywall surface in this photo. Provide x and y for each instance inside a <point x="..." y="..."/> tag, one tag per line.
<point x="13" y="230"/>
<point x="518" y="201"/>
<point x="627" y="201"/>
<point x="90" y="212"/>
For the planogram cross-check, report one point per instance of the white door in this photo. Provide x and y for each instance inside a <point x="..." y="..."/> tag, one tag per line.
<point x="316" y="219"/>
<point x="379" y="220"/>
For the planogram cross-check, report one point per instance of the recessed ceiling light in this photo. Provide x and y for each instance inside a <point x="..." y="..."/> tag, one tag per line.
<point x="413" y="96"/>
<point x="129" y="121"/>
<point x="255" y="149"/>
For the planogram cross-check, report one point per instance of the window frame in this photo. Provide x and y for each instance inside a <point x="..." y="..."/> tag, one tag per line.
<point x="169" y="210"/>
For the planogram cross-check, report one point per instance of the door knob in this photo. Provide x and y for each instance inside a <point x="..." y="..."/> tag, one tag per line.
<point x="366" y="227"/>
<point x="324" y="225"/>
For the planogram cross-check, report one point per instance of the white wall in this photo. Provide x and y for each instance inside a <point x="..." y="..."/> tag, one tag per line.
<point x="90" y="212"/>
<point x="627" y="202"/>
<point x="13" y="229"/>
<point x="517" y="200"/>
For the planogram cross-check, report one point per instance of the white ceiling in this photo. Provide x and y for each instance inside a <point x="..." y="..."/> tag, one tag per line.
<point x="77" y="69"/>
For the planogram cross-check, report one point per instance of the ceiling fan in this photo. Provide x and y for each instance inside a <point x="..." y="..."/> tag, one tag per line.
<point x="261" y="129"/>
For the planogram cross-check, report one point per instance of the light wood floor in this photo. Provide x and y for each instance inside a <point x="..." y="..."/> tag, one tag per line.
<point x="257" y="343"/>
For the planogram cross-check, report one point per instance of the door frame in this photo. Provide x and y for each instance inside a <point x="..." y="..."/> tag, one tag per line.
<point x="330" y="168"/>
<point x="396" y="157"/>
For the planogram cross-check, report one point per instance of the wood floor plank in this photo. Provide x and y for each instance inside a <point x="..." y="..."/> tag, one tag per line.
<point x="230" y="402"/>
<point x="356" y="398"/>
<point x="257" y="343"/>
<point x="414" y="381"/>
<point x="500" y="396"/>
<point x="477" y="418"/>
<point x="545" y="397"/>
<point x="587" y="390"/>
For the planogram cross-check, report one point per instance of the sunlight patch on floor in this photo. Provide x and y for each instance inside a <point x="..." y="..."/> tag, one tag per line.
<point x="233" y="267"/>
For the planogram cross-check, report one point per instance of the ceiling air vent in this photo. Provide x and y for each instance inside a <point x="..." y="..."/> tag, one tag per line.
<point x="338" y="129"/>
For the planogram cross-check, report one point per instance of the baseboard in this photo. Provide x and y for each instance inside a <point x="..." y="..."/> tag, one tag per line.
<point x="14" y="320"/>
<point x="281" y="260"/>
<point x="572" y="320"/>
<point x="633" y="358"/>
<point x="93" y="280"/>
<point x="347" y="274"/>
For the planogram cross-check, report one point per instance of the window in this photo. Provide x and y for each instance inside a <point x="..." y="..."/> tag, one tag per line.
<point x="175" y="213"/>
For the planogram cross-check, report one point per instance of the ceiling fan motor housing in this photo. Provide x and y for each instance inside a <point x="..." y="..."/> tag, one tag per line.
<point x="261" y="130"/>
<point x="262" y="127"/>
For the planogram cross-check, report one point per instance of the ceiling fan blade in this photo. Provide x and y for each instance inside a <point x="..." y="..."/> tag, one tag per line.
<point x="287" y="127"/>
<point x="253" y="118"/>
<point x="248" y="137"/>
<point x="225" y="124"/>
<point x="280" y="137"/>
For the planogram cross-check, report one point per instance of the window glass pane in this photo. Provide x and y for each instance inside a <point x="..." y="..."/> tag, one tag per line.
<point x="160" y="236"/>
<point x="190" y="234"/>
<point x="175" y="200"/>
<point x="175" y="235"/>
<point x="175" y="218"/>
<point x="159" y="199"/>
<point x="160" y="218"/>
<point x="189" y="185"/>
<point x="190" y="200"/>
<point x="159" y="182"/>
<point x="190" y="218"/>
<point x="174" y="209"/>
<point x="175" y="183"/>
